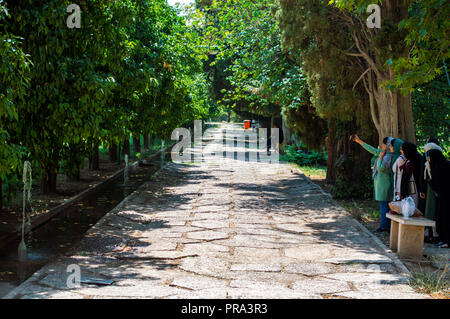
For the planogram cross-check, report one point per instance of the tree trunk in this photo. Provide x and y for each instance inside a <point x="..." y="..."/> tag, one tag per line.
<point x="94" y="161"/>
<point x="146" y="141"/>
<point x="75" y="176"/>
<point x="331" y="146"/>
<point x="126" y="146"/>
<point x="391" y="110"/>
<point x="348" y="167"/>
<point x="395" y="115"/>
<point x="296" y="141"/>
<point x="137" y="143"/>
<point x="1" y="195"/>
<point x="49" y="171"/>
<point x="48" y="180"/>
<point x="113" y="153"/>
<point x="287" y="133"/>
<point x="406" y="120"/>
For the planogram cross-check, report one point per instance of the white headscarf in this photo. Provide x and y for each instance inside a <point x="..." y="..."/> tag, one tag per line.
<point x="429" y="147"/>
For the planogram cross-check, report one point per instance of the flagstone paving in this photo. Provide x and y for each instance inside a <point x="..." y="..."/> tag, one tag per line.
<point x="226" y="229"/>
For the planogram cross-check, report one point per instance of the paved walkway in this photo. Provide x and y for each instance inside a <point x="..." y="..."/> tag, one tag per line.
<point x="226" y="229"/>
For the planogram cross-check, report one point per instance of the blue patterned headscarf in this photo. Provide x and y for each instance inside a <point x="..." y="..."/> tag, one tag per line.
<point x="387" y="158"/>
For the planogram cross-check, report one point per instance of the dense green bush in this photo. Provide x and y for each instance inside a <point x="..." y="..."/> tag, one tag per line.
<point x="346" y="189"/>
<point x="302" y="156"/>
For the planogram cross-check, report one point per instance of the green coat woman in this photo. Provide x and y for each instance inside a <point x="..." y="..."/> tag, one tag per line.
<point x="383" y="177"/>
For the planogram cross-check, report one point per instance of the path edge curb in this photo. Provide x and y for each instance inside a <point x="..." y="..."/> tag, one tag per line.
<point x="41" y="219"/>
<point x="36" y="275"/>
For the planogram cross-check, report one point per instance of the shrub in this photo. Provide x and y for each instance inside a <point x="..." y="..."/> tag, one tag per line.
<point x="303" y="157"/>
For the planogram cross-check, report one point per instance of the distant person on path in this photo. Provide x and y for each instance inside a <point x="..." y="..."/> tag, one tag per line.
<point x="429" y="194"/>
<point x="277" y="143"/>
<point x="438" y="173"/>
<point x="382" y="174"/>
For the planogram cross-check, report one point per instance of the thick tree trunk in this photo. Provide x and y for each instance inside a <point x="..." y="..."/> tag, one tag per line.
<point x="146" y="141"/>
<point x="393" y="105"/>
<point x="113" y="153"/>
<point x="394" y="115"/>
<point x="391" y="110"/>
<point x="406" y="119"/>
<point x="137" y="143"/>
<point x="1" y="195"/>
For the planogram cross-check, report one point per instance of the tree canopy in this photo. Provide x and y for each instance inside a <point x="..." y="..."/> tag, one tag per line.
<point x="133" y="67"/>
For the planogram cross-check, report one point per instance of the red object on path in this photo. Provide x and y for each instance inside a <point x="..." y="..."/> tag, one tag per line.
<point x="247" y="124"/>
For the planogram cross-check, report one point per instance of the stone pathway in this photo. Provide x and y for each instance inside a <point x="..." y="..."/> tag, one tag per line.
<point x="226" y="229"/>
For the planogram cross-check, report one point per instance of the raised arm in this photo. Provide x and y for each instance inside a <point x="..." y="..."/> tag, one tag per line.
<point x="367" y="147"/>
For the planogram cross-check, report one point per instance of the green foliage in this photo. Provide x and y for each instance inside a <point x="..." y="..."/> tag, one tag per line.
<point x="345" y="188"/>
<point x="303" y="157"/>
<point x="423" y="30"/>
<point x="426" y="30"/>
<point x="307" y="125"/>
<point x="431" y="107"/>
<point x="14" y="77"/>
<point x="132" y="67"/>
<point x="313" y="35"/>
<point x="246" y="35"/>
<point x="260" y="78"/>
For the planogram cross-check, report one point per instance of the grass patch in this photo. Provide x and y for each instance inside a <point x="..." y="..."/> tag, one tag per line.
<point x="432" y="283"/>
<point x="314" y="171"/>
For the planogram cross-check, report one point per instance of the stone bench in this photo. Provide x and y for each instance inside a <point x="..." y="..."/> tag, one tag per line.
<point x="407" y="235"/>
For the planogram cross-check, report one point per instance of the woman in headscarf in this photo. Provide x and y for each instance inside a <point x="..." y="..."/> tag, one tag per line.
<point x="429" y="195"/>
<point x="382" y="175"/>
<point x="406" y="170"/>
<point x="397" y="162"/>
<point x="438" y="176"/>
<point x="412" y="172"/>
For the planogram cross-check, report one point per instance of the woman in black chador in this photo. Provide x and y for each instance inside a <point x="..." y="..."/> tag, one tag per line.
<point x="414" y="166"/>
<point x="439" y="170"/>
